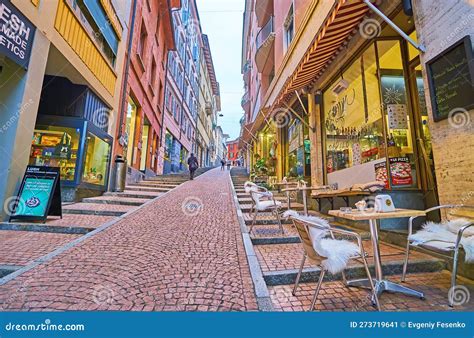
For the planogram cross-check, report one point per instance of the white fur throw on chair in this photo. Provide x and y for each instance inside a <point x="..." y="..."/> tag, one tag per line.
<point x="338" y="252"/>
<point x="443" y="235"/>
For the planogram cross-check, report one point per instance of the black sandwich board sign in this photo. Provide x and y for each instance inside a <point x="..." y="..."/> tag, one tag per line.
<point x="450" y="78"/>
<point x="39" y="195"/>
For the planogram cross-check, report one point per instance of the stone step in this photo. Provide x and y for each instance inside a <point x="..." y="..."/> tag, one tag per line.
<point x="73" y="230"/>
<point x="156" y="185"/>
<point x="311" y="275"/>
<point x="136" y="187"/>
<point x="93" y="212"/>
<point x="8" y="269"/>
<point x="134" y="194"/>
<point x="97" y="209"/>
<point x="116" y="200"/>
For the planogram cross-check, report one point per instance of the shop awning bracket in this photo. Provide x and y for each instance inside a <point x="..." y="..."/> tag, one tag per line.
<point x="300" y="118"/>
<point x="301" y="102"/>
<point x="420" y="47"/>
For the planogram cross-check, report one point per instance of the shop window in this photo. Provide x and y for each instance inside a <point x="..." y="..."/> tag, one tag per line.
<point x="55" y="146"/>
<point x="142" y="41"/>
<point x="400" y="152"/>
<point x="168" y="146"/>
<point x="130" y="129"/>
<point x="145" y="150"/>
<point x="96" y="160"/>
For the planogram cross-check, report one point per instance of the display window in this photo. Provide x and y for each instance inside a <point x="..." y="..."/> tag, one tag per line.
<point x="96" y="160"/>
<point x="130" y="129"/>
<point x="367" y="121"/>
<point x="56" y="146"/>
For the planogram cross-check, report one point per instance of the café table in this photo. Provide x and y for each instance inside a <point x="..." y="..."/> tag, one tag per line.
<point x="304" y="189"/>
<point x="286" y="185"/>
<point x="381" y="284"/>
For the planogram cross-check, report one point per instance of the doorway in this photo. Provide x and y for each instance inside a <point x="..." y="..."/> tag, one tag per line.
<point x="145" y="151"/>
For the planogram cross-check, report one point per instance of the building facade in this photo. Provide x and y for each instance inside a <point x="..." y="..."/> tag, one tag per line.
<point x="209" y="106"/>
<point x="233" y="153"/>
<point x="181" y="91"/>
<point x="60" y="79"/>
<point x="220" y="145"/>
<point x="142" y="101"/>
<point x="339" y="96"/>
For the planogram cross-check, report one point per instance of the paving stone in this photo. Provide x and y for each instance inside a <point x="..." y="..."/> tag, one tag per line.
<point x="182" y="250"/>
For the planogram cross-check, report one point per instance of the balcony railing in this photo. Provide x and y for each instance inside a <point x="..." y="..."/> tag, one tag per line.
<point x="245" y="100"/>
<point x="264" y="33"/>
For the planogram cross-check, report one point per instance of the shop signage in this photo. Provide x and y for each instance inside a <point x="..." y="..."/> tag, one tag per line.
<point x="39" y="194"/>
<point x="400" y="171"/>
<point x="450" y="78"/>
<point x="16" y="34"/>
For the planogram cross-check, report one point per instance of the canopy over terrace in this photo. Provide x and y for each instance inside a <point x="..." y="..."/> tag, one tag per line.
<point x="340" y="25"/>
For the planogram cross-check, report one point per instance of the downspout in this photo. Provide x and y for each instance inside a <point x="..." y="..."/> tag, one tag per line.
<point x="127" y="67"/>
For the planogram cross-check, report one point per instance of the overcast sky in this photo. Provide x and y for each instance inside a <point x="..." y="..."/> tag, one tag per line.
<point x="221" y="20"/>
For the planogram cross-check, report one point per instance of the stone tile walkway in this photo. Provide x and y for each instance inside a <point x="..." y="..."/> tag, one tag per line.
<point x="183" y="251"/>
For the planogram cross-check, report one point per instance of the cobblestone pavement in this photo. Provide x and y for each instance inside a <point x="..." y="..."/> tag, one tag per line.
<point x="183" y="251"/>
<point x="334" y="296"/>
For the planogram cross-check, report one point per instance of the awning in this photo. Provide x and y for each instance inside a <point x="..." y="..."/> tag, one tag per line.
<point x="250" y="129"/>
<point x="339" y="26"/>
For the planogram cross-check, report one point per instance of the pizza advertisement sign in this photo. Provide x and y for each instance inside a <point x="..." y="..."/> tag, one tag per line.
<point x="39" y="194"/>
<point x="381" y="173"/>
<point x="400" y="171"/>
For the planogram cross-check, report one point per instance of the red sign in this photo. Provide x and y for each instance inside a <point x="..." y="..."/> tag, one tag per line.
<point x="400" y="171"/>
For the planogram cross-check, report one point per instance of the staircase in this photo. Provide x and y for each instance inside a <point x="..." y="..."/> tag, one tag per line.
<point x="23" y="243"/>
<point x="279" y="255"/>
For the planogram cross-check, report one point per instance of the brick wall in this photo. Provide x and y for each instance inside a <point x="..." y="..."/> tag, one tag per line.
<point x="439" y="24"/>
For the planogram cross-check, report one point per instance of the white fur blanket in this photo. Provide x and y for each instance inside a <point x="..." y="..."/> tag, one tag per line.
<point x="337" y="252"/>
<point x="444" y="235"/>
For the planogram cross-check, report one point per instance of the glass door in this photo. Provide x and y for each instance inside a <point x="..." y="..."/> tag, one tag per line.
<point x="423" y="137"/>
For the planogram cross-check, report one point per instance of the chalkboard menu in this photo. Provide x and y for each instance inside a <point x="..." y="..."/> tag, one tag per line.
<point x="450" y="77"/>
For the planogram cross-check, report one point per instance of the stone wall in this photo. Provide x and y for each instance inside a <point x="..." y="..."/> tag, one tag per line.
<point x="439" y="24"/>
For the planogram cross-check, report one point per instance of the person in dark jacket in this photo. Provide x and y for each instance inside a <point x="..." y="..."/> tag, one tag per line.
<point x="193" y="164"/>
<point x="222" y="164"/>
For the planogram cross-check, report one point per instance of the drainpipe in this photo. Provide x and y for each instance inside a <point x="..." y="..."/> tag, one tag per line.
<point x="127" y="67"/>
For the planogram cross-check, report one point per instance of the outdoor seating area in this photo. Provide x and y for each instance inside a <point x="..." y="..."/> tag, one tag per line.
<point x="320" y="262"/>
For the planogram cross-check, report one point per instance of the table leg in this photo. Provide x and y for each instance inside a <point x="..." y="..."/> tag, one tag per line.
<point x="374" y="237"/>
<point x="305" y="203"/>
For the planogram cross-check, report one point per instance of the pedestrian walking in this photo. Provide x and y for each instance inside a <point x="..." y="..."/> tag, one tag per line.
<point x="222" y="164"/>
<point x="193" y="164"/>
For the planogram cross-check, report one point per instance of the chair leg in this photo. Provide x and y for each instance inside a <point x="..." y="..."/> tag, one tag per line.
<point x="405" y="263"/>
<point x="299" y="275"/>
<point x="318" y="287"/>
<point x="254" y="220"/>
<point x="344" y="278"/>
<point x="453" y="277"/>
<point x="279" y="221"/>
<point x="371" y="281"/>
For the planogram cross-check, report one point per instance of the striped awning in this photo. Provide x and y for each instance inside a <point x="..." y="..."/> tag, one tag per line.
<point x="339" y="26"/>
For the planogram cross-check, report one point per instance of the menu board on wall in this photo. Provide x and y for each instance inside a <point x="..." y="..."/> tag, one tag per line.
<point x="397" y="116"/>
<point x="450" y="78"/>
<point x="39" y="194"/>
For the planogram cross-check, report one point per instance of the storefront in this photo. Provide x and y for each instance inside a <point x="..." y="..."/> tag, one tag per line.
<point x="74" y="138"/>
<point x="374" y="122"/>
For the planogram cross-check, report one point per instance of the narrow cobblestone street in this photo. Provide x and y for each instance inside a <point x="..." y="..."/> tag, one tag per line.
<point x="182" y="251"/>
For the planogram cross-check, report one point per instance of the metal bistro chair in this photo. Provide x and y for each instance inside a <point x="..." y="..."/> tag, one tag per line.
<point x="330" y="254"/>
<point x="448" y="246"/>
<point x="263" y="201"/>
